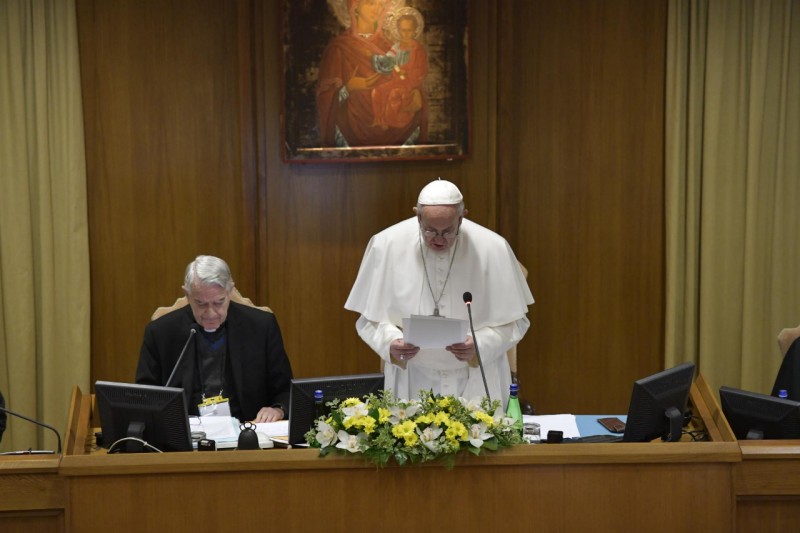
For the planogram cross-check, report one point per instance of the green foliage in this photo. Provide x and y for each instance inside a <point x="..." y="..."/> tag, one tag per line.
<point x="434" y="427"/>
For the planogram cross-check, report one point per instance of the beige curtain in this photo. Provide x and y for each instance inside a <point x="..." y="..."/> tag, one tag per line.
<point x="732" y="186"/>
<point x="44" y="252"/>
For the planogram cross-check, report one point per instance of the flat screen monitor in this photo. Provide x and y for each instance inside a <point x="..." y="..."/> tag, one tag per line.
<point x="757" y="416"/>
<point x="658" y="403"/>
<point x="302" y="410"/>
<point x="146" y="413"/>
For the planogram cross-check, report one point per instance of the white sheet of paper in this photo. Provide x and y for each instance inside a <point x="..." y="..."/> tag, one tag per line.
<point x="219" y="427"/>
<point x="434" y="331"/>
<point x="565" y="423"/>
<point x="274" y="429"/>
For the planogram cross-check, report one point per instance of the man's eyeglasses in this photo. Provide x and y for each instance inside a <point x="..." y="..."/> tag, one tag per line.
<point x="447" y="234"/>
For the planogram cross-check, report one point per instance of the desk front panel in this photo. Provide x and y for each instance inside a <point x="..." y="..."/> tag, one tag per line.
<point x="33" y="496"/>
<point x="767" y="486"/>
<point x="480" y="494"/>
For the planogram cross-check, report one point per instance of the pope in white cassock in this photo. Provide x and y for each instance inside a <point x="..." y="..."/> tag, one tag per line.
<point x="423" y="266"/>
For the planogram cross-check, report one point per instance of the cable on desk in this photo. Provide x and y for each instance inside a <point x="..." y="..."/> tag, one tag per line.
<point x="143" y="443"/>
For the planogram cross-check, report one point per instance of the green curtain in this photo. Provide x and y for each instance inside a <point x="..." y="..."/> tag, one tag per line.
<point x="732" y="186"/>
<point x="44" y="246"/>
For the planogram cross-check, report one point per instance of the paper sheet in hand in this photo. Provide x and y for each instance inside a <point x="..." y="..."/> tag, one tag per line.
<point x="434" y="331"/>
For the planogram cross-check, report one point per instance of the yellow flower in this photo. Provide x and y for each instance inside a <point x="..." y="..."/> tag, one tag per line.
<point x="406" y="431"/>
<point x="424" y="419"/>
<point x="456" y="431"/>
<point x="480" y="416"/>
<point x="383" y="415"/>
<point x="350" y="402"/>
<point x="441" y="419"/>
<point x="367" y="423"/>
<point x="444" y="403"/>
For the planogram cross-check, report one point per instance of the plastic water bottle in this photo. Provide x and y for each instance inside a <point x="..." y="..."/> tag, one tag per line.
<point x="513" y="410"/>
<point x="319" y="406"/>
<point x="783" y="394"/>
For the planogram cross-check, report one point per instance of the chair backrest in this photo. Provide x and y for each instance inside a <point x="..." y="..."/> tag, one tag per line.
<point x="786" y="337"/>
<point x="183" y="301"/>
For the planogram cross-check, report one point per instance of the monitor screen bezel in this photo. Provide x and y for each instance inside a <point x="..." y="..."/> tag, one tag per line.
<point x="157" y="407"/>
<point x="658" y="403"/>
<point x="766" y="417"/>
<point x="302" y="412"/>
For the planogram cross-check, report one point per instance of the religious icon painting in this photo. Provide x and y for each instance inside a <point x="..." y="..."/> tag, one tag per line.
<point x="367" y="80"/>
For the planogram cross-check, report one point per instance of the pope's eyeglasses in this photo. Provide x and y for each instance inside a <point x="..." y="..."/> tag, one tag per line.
<point x="447" y="234"/>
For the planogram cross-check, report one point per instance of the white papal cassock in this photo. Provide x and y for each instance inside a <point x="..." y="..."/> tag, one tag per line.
<point x="391" y="285"/>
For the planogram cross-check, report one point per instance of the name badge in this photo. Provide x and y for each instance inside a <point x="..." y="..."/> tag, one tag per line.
<point x="215" y="406"/>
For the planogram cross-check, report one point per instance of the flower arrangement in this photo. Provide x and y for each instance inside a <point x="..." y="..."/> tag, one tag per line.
<point x="382" y="427"/>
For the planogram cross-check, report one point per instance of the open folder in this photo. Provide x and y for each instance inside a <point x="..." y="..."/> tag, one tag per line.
<point x="434" y="331"/>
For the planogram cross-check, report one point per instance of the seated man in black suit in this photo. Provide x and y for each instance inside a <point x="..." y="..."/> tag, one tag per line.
<point x="237" y="356"/>
<point x="788" y="377"/>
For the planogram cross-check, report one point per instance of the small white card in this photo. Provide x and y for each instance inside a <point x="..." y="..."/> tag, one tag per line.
<point x="434" y="331"/>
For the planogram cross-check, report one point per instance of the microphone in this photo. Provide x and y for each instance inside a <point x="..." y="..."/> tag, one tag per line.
<point x="42" y="424"/>
<point x="468" y="301"/>
<point x="192" y="333"/>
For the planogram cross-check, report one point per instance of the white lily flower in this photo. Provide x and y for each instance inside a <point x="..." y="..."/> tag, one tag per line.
<point x="472" y="404"/>
<point x="507" y="422"/>
<point x="325" y="434"/>
<point x="478" y="434"/>
<point x="352" y="443"/>
<point x="428" y="437"/>
<point x="359" y="409"/>
<point x="402" y="412"/>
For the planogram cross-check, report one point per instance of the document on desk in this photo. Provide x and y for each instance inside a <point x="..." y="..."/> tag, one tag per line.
<point x="274" y="429"/>
<point x="434" y="331"/>
<point x="219" y="428"/>
<point x="565" y="423"/>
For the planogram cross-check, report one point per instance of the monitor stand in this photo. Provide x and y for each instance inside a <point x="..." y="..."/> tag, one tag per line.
<point x="675" y="424"/>
<point x="136" y="431"/>
<point x="755" y="434"/>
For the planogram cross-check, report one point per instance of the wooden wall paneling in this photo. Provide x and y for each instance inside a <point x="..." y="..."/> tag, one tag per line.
<point x="164" y="99"/>
<point x="182" y="112"/>
<point x="317" y="218"/>
<point x="586" y="116"/>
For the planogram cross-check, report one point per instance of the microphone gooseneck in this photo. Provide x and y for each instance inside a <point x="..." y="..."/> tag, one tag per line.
<point x="468" y="301"/>
<point x="192" y="333"/>
<point x="42" y="424"/>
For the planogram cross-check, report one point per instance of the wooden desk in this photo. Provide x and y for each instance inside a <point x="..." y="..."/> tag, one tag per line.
<point x="766" y="483"/>
<point x="569" y="487"/>
<point x="32" y="495"/>
<point x="767" y="486"/>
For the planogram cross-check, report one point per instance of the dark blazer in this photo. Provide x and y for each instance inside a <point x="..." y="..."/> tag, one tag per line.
<point x="259" y="364"/>
<point x="788" y="377"/>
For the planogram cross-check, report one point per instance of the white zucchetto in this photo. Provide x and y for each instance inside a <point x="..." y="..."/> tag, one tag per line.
<point x="440" y="192"/>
